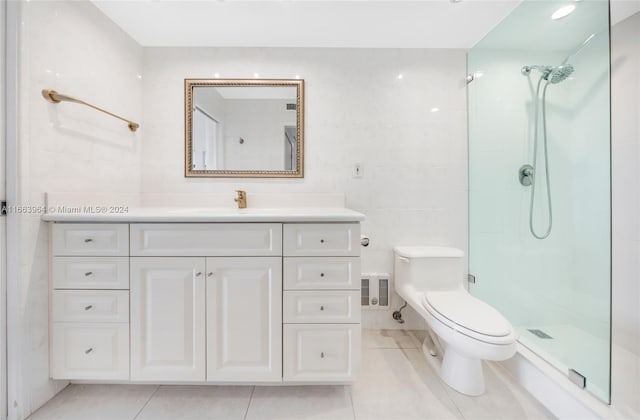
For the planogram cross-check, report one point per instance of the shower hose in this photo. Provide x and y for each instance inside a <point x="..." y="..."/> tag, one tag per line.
<point x="535" y="159"/>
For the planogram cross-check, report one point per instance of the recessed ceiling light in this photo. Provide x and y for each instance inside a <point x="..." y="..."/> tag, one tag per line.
<point x="434" y="109"/>
<point x="455" y="1"/>
<point x="400" y="76"/>
<point x="256" y="75"/>
<point x="563" y="11"/>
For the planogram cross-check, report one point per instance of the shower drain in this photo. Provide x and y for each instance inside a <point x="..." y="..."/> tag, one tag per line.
<point x="540" y="334"/>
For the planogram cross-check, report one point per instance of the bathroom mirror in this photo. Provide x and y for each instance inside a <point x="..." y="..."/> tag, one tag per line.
<point x="244" y="128"/>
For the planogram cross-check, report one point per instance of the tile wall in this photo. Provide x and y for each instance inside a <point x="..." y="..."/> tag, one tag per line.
<point x="625" y="107"/>
<point x="400" y="114"/>
<point x="74" y="49"/>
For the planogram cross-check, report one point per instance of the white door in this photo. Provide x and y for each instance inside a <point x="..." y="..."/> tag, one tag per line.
<point x="205" y="140"/>
<point x="167" y="319"/>
<point x="244" y="319"/>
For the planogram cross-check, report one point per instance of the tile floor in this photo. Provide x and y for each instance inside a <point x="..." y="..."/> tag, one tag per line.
<point x="396" y="383"/>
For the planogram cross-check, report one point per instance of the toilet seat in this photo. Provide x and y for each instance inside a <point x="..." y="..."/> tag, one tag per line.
<point x="468" y="315"/>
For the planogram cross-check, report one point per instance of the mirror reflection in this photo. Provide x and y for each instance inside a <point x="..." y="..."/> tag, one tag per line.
<point x="241" y="128"/>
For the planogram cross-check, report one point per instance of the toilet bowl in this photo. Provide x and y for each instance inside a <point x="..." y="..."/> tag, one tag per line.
<point x="467" y="330"/>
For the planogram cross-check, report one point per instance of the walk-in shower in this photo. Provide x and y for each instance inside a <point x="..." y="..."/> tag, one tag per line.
<point x="539" y="167"/>
<point x="548" y="75"/>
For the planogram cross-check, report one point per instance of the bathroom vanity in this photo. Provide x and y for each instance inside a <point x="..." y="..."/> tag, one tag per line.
<point x="206" y="295"/>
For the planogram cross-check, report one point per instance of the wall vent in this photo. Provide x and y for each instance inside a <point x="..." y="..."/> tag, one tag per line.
<point x="375" y="291"/>
<point x="364" y="291"/>
<point x="291" y="107"/>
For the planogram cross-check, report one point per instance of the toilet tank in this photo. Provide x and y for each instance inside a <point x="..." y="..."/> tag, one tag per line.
<point x="429" y="267"/>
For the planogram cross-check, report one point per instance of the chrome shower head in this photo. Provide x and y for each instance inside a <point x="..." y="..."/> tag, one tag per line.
<point x="551" y="74"/>
<point x="559" y="73"/>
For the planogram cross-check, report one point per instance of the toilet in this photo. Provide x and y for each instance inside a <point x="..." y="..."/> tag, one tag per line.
<point x="463" y="330"/>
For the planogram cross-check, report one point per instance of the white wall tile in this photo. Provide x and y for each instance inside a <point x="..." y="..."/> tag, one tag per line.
<point x="413" y="188"/>
<point x="72" y="48"/>
<point x="625" y="121"/>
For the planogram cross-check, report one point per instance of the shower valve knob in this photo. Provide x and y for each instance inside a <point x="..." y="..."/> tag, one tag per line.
<point x="525" y="175"/>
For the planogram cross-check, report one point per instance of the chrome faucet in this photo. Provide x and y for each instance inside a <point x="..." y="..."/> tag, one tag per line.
<point x="241" y="199"/>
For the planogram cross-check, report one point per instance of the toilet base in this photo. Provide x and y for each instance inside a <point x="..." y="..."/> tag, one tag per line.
<point x="462" y="373"/>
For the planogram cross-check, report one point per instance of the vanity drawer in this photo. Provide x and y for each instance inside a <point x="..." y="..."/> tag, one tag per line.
<point x="321" y="273"/>
<point x="322" y="239"/>
<point x="90" y="306"/>
<point x="321" y="307"/>
<point x="206" y="239"/>
<point x="90" y="351"/>
<point x="90" y="239"/>
<point x="325" y="352"/>
<point x="90" y="273"/>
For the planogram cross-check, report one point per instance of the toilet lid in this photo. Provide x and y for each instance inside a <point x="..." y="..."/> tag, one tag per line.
<point x="469" y="312"/>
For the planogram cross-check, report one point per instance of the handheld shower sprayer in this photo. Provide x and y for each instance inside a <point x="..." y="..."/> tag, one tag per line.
<point x="551" y="75"/>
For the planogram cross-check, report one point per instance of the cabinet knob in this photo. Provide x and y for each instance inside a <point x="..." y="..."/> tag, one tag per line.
<point x="210" y="274"/>
<point x="89" y="350"/>
<point x="322" y="355"/>
<point x="321" y="274"/>
<point x="322" y="308"/>
<point x="87" y="240"/>
<point x="321" y="241"/>
<point x="86" y="308"/>
<point x="199" y="273"/>
<point x="88" y="273"/>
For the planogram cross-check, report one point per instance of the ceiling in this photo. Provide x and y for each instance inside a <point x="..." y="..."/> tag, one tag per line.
<point x="334" y="23"/>
<point x="307" y="23"/>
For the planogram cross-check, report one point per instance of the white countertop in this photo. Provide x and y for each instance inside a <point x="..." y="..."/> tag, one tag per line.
<point x="122" y="214"/>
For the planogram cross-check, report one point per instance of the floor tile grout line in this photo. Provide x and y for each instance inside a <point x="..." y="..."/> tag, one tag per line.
<point x="147" y="402"/>
<point x="353" y="407"/>
<point x="440" y="383"/>
<point x="246" y="412"/>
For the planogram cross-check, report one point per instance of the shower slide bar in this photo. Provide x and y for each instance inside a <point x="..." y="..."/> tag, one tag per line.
<point x="54" y="97"/>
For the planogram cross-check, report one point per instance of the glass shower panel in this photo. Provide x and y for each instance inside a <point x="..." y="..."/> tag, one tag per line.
<point x="543" y="83"/>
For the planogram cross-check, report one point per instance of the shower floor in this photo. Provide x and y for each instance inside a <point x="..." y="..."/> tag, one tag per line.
<point x="570" y="347"/>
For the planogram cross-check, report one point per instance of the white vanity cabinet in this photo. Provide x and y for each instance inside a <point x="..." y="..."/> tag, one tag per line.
<point x="234" y="270"/>
<point x="205" y="302"/>
<point x="321" y="309"/>
<point x="90" y="301"/>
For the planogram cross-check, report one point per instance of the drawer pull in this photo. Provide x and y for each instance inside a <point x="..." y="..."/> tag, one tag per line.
<point x="88" y="273"/>
<point x="322" y="308"/>
<point x="199" y="273"/>
<point x="322" y="355"/>
<point x="87" y="240"/>
<point x="210" y="274"/>
<point x="89" y="350"/>
<point x="86" y="308"/>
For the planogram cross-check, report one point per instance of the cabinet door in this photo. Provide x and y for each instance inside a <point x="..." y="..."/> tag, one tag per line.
<point x="244" y="319"/>
<point x="167" y="319"/>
